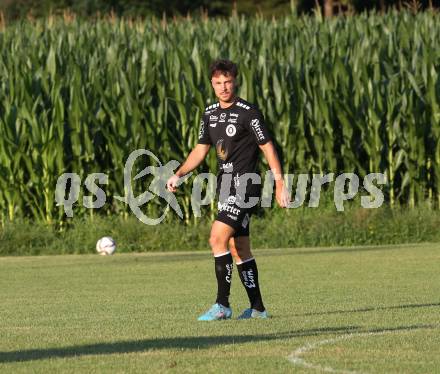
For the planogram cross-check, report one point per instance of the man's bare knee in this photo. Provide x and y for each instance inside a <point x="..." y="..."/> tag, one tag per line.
<point x="216" y="241"/>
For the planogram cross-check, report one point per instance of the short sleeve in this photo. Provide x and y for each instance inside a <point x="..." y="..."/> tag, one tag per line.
<point x="257" y="127"/>
<point x="204" y="137"/>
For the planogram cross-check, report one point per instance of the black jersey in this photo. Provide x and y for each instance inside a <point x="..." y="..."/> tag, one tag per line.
<point x="236" y="133"/>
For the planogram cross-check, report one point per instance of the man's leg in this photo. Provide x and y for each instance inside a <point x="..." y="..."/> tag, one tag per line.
<point x="218" y="240"/>
<point x="247" y="269"/>
<point x="220" y="234"/>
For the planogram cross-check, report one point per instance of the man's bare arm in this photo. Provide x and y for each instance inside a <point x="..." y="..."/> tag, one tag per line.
<point x="271" y="156"/>
<point x="194" y="159"/>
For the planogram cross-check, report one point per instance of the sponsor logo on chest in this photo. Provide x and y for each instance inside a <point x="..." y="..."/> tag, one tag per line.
<point x="213" y="120"/>
<point x="228" y="167"/>
<point x="233" y="118"/>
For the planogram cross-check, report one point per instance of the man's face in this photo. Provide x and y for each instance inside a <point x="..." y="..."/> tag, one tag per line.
<point x="224" y="86"/>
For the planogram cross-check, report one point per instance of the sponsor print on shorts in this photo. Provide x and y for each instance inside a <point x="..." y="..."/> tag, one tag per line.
<point x="225" y="207"/>
<point x="245" y="221"/>
<point x="232" y="200"/>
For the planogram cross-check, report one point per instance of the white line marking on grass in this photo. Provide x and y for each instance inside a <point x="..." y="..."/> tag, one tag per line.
<point x="295" y="357"/>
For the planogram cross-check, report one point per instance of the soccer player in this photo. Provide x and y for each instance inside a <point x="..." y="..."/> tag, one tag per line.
<point x="237" y="130"/>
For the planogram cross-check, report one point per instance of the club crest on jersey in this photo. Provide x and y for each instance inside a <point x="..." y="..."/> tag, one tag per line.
<point x="231" y="130"/>
<point x="222" y="117"/>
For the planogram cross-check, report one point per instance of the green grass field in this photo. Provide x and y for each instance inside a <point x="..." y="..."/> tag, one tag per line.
<point x="364" y="309"/>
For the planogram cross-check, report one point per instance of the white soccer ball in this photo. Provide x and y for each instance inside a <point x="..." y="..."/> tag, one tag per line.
<point x="106" y="246"/>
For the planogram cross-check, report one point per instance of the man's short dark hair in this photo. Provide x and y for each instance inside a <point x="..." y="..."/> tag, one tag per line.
<point x="225" y="67"/>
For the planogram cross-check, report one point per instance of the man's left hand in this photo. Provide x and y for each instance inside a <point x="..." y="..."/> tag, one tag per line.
<point x="282" y="195"/>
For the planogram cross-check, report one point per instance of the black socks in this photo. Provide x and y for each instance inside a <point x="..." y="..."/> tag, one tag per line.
<point x="249" y="277"/>
<point x="223" y="272"/>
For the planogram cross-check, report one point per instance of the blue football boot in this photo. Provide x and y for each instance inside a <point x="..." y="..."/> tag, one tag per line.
<point x="253" y="313"/>
<point x="216" y="312"/>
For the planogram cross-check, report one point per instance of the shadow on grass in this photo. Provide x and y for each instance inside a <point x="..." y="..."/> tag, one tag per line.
<point x="199" y="342"/>
<point x="190" y="342"/>
<point x="369" y="309"/>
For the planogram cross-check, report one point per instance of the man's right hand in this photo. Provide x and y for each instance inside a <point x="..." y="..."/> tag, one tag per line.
<point x="194" y="159"/>
<point x="172" y="183"/>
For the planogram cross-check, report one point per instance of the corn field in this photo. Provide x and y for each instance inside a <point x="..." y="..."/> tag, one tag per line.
<point x="354" y="94"/>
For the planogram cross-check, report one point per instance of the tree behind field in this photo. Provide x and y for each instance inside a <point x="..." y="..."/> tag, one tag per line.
<point x="37" y="8"/>
<point x="16" y="9"/>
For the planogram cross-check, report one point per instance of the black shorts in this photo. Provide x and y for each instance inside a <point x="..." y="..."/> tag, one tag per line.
<point x="235" y="216"/>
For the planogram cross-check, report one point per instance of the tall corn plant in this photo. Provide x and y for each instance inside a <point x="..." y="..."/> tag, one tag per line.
<point x="358" y="94"/>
